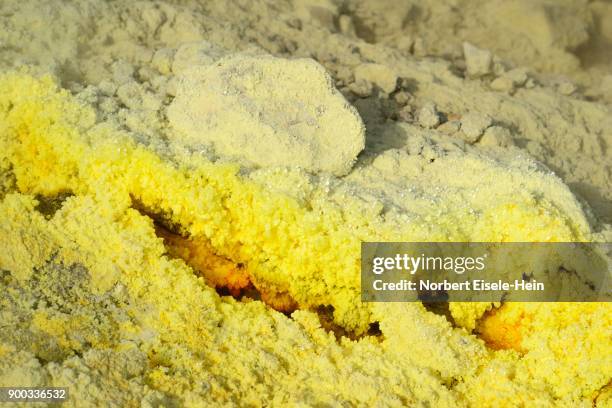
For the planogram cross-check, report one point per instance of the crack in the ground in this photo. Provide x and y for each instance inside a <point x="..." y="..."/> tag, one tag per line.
<point x="230" y="278"/>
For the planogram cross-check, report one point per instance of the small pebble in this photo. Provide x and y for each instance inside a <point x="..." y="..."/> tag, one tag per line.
<point x="450" y="128"/>
<point x="361" y="88"/>
<point x="473" y="125"/>
<point x="405" y="114"/>
<point x="378" y="74"/>
<point x="503" y="84"/>
<point x="518" y="76"/>
<point x="478" y="61"/>
<point x="402" y="97"/>
<point x="509" y="81"/>
<point x="429" y="116"/>
<point x="566" y="88"/>
<point x="345" y="25"/>
<point x="496" y="136"/>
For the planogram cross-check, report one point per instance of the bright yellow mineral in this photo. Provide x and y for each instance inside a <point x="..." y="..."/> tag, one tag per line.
<point x="115" y="312"/>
